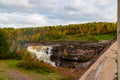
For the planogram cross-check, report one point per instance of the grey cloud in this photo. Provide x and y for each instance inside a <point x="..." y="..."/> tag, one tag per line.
<point x="53" y="12"/>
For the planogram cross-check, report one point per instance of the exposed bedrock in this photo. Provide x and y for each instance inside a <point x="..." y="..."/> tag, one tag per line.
<point x="77" y="55"/>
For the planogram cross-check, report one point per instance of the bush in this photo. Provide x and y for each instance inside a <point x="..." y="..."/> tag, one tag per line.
<point x="14" y="55"/>
<point x="29" y="61"/>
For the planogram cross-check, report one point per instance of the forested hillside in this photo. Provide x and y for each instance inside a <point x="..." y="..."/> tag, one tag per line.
<point x="72" y="32"/>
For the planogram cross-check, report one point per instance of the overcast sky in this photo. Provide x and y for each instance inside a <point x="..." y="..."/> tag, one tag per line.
<point x="16" y="13"/>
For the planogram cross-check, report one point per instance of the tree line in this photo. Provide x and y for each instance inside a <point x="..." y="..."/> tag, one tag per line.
<point x="18" y="37"/>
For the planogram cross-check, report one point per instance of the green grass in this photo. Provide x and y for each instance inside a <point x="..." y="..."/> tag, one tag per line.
<point x="1" y="79"/>
<point x="11" y="65"/>
<point x="87" y="38"/>
<point x="104" y="37"/>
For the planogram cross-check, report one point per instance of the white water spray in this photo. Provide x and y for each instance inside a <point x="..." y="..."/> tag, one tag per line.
<point x="42" y="53"/>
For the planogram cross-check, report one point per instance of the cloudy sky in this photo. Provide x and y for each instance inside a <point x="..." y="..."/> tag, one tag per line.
<point x="19" y="13"/>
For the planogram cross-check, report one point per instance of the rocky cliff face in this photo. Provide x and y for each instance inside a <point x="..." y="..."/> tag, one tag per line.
<point x="72" y="55"/>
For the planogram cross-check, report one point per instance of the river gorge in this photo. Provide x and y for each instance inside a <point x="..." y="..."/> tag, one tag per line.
<point x="75" y="55"/>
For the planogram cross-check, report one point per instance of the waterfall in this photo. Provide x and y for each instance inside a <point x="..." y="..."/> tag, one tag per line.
<point x="42" y="53"/>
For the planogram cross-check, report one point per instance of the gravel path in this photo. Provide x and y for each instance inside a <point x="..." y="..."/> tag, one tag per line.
<point x="15" y="75"/>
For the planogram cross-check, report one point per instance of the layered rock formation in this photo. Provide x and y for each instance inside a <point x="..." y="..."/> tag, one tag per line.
<point x="72" y="55"/>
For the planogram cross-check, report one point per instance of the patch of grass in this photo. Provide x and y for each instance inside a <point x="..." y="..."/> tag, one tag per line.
<point x="109" y="36"/>
<point x="10" y="63"/>
<point x="1" y="79"/>
<point x="77" y="38"/>
<point x="104" y="36"/>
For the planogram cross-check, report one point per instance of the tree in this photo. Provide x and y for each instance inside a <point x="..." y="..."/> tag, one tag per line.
<point x="4" y="46"/>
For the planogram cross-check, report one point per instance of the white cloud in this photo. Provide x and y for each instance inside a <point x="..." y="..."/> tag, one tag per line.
<point x="110" y="14"/>
<point x="53" y="12"/>
<point x="19" y="3"/>
<point x="102" y="2"/>
<point x="22" y="18"/>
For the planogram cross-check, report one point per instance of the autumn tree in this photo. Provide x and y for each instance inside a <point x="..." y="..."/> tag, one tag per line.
<point x="4" y="46"/>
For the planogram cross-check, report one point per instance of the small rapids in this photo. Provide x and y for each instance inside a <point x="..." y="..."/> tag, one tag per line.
<point x="42" y="53"/>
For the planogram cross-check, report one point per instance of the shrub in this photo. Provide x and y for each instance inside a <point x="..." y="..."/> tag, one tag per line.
<point x="14" y="55"/>
<point x="29" y="61"/>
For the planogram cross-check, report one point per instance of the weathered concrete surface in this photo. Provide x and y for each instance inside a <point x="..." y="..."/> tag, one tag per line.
<point x="118" y="36"/>
<point x="108" y="69"/>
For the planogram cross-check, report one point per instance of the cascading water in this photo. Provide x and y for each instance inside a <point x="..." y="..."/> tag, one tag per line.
<point x="42" y="53"/>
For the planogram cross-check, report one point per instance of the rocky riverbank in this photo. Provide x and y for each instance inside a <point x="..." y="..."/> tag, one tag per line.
<point x="74" y="54"/>
<point x="80" y="55"/>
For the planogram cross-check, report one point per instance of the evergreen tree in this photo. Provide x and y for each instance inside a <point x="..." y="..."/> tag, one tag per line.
<point x="4" y="46"/>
